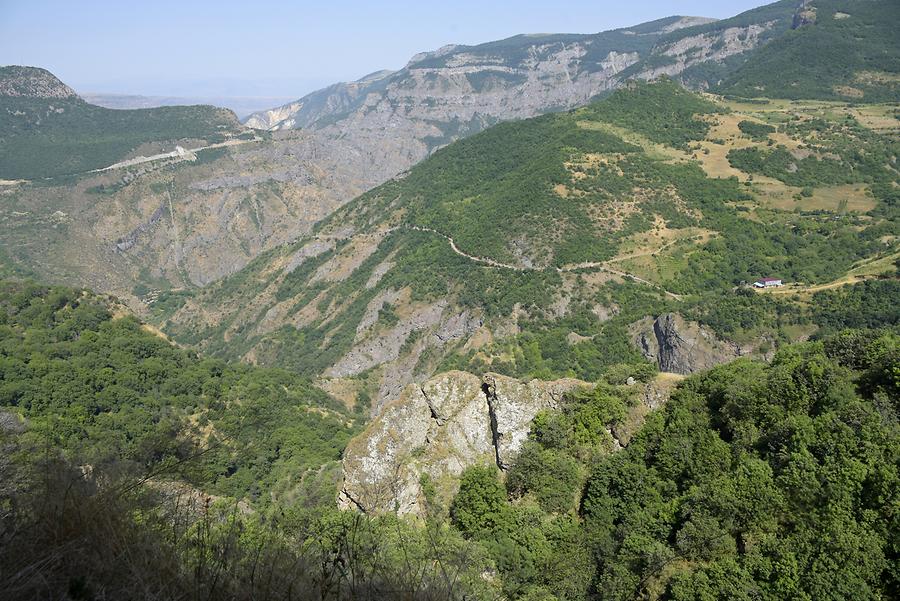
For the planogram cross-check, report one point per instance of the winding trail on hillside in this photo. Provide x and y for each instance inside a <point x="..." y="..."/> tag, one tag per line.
<point x="600" y="265"/>
<point x="461" y="253"/>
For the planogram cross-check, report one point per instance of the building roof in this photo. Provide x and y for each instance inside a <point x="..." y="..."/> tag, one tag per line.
<point x="769" y="280"/>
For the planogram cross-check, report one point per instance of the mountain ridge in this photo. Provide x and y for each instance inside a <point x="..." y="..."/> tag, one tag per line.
<point x="322" y="107"/>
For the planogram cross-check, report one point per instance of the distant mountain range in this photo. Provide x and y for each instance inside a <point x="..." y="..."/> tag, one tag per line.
<point x="243" y="106"/>
<point x="458" y="90"/>
<point x="234" y="203"/>
<point x="820" y="50"/>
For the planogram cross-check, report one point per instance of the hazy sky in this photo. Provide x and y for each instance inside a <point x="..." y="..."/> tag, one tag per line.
<point x="269" y="48"/>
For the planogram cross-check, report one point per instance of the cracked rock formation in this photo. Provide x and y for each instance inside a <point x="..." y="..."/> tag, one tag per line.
<point x="437" y="430"/>
<point x="684" y="347"/>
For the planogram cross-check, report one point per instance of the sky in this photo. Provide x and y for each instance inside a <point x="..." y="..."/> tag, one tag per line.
<point x="282" y="49"/>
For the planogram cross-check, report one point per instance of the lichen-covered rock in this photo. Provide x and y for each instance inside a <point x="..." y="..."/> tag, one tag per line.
<point x="452" y="421"/>
<point x="377" y="474"/>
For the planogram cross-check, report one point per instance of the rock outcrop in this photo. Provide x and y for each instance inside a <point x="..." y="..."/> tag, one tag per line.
<point x="32" y="82"/>
<point x="438" y="429"/>
<point x="805" y="15"/>
<point x="683" y="347"/>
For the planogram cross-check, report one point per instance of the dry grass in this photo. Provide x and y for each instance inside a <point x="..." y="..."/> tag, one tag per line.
<point x="851" y="198"/>
<point x="659" y="239"/>
<point x="343" y="389"/>
<point x="877" y="117"/>
<point x="652" y="254"/>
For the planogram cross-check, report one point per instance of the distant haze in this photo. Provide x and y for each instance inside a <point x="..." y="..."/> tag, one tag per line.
<point x="226" y="49"/>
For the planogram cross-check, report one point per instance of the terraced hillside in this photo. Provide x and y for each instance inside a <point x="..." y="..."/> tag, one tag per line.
<point x="537" y="247"/>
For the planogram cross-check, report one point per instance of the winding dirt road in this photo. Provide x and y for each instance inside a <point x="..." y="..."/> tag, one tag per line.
<point x="600" y="265"/>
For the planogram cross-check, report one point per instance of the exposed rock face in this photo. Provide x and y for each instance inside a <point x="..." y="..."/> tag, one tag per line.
<point x="282" y="114"/>
<point x="458" y="85"/>
<point x="32" y="82"/>
<point x="706" y="47"/>
<point x="452" y="421"/>
<point x="683" y="347"/>
<point x="805" y="15"/>
<point x="188" y="226"/>
<point x="513" y="404"/>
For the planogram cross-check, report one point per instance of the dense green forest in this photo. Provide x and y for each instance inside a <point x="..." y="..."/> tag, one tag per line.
<point x="107" y="391"/>
<point x="754" y="481"/>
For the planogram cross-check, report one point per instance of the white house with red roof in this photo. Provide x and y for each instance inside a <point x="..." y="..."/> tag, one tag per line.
<point x="768" y="283"/>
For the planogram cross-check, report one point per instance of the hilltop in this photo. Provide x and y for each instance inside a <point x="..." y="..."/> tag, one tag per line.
<point x="47" y="131"/>
<point x="32" y="82"/>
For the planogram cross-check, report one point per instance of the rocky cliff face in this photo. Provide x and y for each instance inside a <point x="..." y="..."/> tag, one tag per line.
<point x="684" y="347"/>
<point x="438" y="429"/>
<point x="439" y="96"/>
<point x="32" y="82"/>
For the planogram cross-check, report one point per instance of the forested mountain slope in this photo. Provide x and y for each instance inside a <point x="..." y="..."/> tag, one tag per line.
<point x="107" y="391"/>
<point x="535" y="247"/>
<point x="837" y="51"/>
<point x="753" y="481"/>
